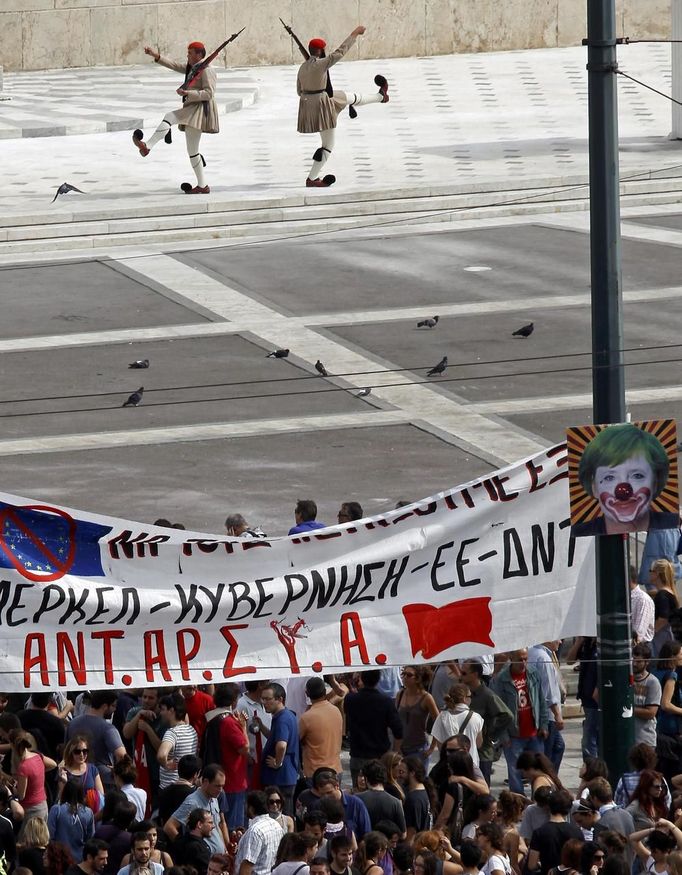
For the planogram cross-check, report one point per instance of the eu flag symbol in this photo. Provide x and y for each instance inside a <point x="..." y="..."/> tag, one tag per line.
<point x="44" y="543"/>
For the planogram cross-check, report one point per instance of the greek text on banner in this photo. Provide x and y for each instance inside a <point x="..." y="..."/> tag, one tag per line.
<point x="88" y="601"/>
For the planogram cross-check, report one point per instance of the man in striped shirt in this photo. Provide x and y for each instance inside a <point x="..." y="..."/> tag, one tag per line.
<point x="178" y="740"/>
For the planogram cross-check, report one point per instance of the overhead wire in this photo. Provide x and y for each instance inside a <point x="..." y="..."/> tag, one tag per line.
<point x="351" y="389"/>
<point x="316" y="376"/>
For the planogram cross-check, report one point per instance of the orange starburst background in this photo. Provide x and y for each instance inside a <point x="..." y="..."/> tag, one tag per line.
<point x="584" y="507"/>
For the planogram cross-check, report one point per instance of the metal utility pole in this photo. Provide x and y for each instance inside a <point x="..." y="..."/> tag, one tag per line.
<point x="608" y="381"/>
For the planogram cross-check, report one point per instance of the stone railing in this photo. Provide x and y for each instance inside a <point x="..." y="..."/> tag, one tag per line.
<point x="48" y="34"/>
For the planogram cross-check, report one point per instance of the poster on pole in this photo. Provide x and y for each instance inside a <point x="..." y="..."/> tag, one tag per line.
<point x="89" y="601"/>
<point x="623" y="478"/>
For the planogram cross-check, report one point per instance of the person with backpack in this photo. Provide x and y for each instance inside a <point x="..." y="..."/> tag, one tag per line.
<point x="226" y="742"/>
<point x="70" y="821"/>
<point x="458" y="718"/>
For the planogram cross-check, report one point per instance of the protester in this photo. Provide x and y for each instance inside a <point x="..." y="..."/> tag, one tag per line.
<point x="70" y="821"/>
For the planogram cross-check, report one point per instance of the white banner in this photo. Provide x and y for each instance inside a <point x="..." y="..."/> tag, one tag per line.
<point x="88" y="601"/>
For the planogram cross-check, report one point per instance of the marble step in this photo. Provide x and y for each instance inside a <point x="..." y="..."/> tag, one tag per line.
<point x="218" y="219"/>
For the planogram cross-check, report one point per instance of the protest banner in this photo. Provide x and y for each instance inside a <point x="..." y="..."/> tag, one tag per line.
<point x="88" y="601"/>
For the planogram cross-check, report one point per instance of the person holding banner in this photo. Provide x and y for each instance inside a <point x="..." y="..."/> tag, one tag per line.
<point x="144" y="726"/>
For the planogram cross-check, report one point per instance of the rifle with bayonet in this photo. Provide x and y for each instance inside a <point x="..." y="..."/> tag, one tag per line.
<point x="298" y="42"/>
<point x="195" y="72"/>
<point x="306" y="54"/>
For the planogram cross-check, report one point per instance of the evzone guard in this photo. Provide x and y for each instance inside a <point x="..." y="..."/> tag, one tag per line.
<point x="320" y="105"/>
<point x="198" y="114"/>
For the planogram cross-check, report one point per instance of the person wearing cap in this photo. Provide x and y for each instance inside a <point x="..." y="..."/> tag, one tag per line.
<point x="319" y="104"/>
<point x="198" y="114"/>
<point x="320" y="730"/>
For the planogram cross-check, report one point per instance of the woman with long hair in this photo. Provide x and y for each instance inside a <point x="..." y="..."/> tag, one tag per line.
<point x="536" y="768"/>
<point x="648" y="800"/>
<point x="420" y="798"/>
<point x="415" y="706"/>
<point x="392" y="761"/>
<point x="491" y="841"/>
<point x="427" y="863"/>
<point x="30" y="777"/>
<point x="31" y="851"/>
<point x="275" y="804"/>
<point x="75" y="767"/>
<point x="592" y="858"/>
<point x="455" y="766"/>
<point x="58" y="858"/>
<point x="458" y="787"/>
<point x="480" y="810"/>
<point x="371" y="852"/>
<point x="666" y="602"/>
<point x="510" y="808"/>
<point x="571" y="855"/>
<point x="70" y="821"/>
<point x="670" y="712"/>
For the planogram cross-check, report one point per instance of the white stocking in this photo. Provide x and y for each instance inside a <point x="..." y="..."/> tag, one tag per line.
<point x="327" y="139"/>
<point x="192" y="138"/>
<point x="359" y="100"/>
<point x="165" y="125"/>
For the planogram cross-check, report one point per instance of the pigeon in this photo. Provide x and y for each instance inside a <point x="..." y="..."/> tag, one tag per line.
<point x="278" y="354"/>
<point x="428" y="323"/>
<point x="139" y="364"/>
<point x="320" y="368"/>
<point x="134" y="399"/>
<point x="524" y="331"/>
<point x="439" y="368"/>
<point x="65" y="188"/>
<point x="363" y="393"/>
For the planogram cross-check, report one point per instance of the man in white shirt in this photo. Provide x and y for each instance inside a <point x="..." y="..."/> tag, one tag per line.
<point x="641" y="611"/>
<point x="257" y="729"/>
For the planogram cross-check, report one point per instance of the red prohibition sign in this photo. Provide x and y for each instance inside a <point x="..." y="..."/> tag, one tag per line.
<point x="63" y="565"/>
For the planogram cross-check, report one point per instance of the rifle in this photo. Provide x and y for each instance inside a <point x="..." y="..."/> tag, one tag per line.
<point x="298" y="42"/>
<point x="196" y="71"/>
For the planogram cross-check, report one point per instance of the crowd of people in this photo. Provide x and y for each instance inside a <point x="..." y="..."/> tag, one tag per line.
<point x="372" y="773"/>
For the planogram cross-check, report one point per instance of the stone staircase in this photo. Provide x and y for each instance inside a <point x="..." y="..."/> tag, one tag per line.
<point x="109" y="224"/>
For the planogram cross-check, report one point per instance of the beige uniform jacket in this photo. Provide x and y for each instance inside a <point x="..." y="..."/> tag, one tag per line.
<point x="200" y="109"/>
<point x="318" y="112"/>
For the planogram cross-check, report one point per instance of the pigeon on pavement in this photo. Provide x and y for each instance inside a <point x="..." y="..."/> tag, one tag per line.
<point x="428" y="323"/>
<point x="524" y="331"/>
<point x="363" y="393"/>
<point x="139" y="364"/>
<point x="65" y="188"/>
<point x="278" y="354"/>
<point x="439" y="368"/>
<point x="134" y="399"/>
<point x="320" y="368"/>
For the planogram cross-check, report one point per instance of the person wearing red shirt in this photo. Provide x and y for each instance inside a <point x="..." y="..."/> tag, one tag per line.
<point x="197" y="704"/>
<point x="227" y="742"/>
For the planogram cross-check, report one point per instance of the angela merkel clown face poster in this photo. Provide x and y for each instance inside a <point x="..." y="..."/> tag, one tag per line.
<point x="623" y="478"/>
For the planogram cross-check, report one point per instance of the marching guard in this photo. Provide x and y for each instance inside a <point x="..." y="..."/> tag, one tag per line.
<point x="198" y="114"/>
<point x="320" y="105"/>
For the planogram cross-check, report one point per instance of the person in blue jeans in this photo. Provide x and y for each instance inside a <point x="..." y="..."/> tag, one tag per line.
<point x="518" y="685"/>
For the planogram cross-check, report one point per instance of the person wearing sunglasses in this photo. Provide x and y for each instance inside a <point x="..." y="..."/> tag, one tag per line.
<point x="75" y="768"/>
<point x="275" y="803"/>
<point x="648" y="800"/>
<point x="592" y="858"/>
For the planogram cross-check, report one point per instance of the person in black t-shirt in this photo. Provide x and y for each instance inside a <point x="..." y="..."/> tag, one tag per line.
<point x="172" y="796"/>
<point x="50" y="727"/>
<point x="95" y="853"/>
<point x="548" y="840"/>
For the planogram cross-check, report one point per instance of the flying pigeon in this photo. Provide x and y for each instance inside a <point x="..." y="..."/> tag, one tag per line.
<point x="363" y="393"/>
<point x="139" y="364"/>
<point x="134" y="399"/>
<point x="428" y="323"/>
<point x="320" y="368"/>
<point x="278" y="354"/>
<point x="439" y="368"/>
<point x="524" y="331"/>
<point x="65" y="188"/>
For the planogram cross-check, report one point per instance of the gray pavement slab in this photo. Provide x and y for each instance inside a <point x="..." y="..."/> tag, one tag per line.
<point x="100" y="380"/>
<point x="671" y="220"/>
<point x="437" y="268"/>
<point x="199" y="482"/>
<point x="549" y="362"/>
<point x="552" y="424"/>
<point x="66" y="298"/>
